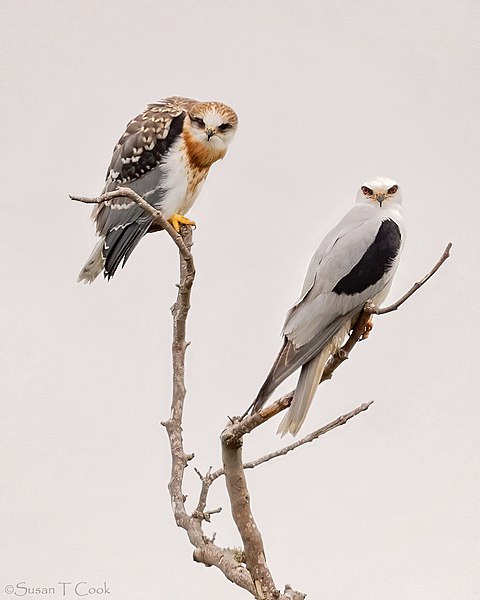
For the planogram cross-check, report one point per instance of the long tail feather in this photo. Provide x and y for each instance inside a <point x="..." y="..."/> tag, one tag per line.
<point x="119" y="245"/>
<point x="309" y="380"/>
<point x="94" y="265"/>
<point x="307" y="385"/>
<point x="278" y="373"/>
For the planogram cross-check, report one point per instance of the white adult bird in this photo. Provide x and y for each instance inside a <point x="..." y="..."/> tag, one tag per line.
<point x="355" y="262"/>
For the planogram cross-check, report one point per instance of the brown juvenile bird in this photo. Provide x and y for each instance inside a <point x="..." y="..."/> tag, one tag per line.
<point x="164" y="156"/>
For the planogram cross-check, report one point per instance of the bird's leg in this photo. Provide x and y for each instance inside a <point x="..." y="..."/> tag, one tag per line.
<point x="368" y="329"/>
<point x="176" y="220"/>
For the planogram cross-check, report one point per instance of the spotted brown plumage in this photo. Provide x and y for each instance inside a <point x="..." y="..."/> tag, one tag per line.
<point x="144" y="143"/>
<point x="164" y="156"/>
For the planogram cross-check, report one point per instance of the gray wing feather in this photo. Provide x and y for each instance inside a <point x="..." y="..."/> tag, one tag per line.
<point x="291" y="358"/>
<point x="122" y="211"/>
<point x="320" y="314"/>
<point x="337" y="255"/>
<point x="320" y="272"/>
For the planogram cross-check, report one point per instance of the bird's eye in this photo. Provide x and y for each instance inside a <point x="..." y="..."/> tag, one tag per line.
<point x="393" y="189"/>
<point x="198" y="122"/>
<point x="366" y="190"/>
<point x="225" y="126"/>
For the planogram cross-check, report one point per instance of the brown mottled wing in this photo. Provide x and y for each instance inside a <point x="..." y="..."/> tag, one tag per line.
<point x="137" y="161"/>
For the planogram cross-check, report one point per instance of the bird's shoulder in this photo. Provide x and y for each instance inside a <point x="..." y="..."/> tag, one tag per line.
<point x="147" y="140"/>
<point x="343" y="244"/>
<point x="345" y="259"/>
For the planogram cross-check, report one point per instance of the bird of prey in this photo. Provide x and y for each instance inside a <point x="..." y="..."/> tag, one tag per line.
<point x="164" y="156"/>
<point x="354" y="263"/>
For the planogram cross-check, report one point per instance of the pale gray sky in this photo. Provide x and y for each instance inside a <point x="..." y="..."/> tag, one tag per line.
<point x="329" y="93"/>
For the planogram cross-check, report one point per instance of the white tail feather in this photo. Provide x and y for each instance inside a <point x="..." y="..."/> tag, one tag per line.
<point x="307" y="385"/>
<point x="94" y="265"/>
<point x="308" y="382"/>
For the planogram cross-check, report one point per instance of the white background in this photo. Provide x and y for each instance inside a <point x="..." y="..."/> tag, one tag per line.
<point x="329" y="93"/>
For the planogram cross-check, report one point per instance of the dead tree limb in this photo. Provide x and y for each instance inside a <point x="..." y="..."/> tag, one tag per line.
<point x="148" y="208"/>
<point x="206" y="551"/>
<point x="339" y="421"/>
<point x="243" y="517"/>
<point x="417" y="285"/>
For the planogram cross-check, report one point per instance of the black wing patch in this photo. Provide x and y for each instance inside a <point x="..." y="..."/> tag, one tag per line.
<point x="375" y="263"/>
<point x="144" y="145"/>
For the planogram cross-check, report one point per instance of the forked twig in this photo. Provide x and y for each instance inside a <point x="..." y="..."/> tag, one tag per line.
<point x="417" y="285"/>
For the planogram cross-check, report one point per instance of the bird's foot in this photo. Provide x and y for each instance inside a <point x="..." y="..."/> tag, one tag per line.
<point x="177" y="220"/>
<point x="368" y="329"/>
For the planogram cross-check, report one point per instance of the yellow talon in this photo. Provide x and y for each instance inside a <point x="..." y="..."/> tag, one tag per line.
<point x="176" y="220"/>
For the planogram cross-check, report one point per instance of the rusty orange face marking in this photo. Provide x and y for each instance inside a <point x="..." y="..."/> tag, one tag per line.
<point x="200" y="154"/>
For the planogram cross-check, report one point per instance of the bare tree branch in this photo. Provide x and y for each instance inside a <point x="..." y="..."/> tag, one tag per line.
<point x="174" y="424"/>
<point x="256" y="578"/>
<point x="243" y="517"/>
<point x="148" y="208"/>
<point x="206" y="551"/>
<point x="417" y="285"/>
<point x="206" y="483"/>
<point x="342" y="420"/>
<point x="234" y="471"/>
<point x="210" y="477"/>
<point x="238" y="428"/>
<point x="360" y="327"/>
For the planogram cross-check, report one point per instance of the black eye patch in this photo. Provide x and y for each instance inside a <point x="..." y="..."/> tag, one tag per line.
<point x="366" y="190"/>
<point x="224" y="126"/>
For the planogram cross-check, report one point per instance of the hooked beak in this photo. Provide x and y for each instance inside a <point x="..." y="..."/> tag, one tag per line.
<point x="380" y="198"/>
<point x="210" y="133"/>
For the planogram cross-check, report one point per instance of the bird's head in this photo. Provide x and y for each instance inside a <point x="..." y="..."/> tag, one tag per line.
<point x="213" y="125"/>
<point x="381" y="192"/>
